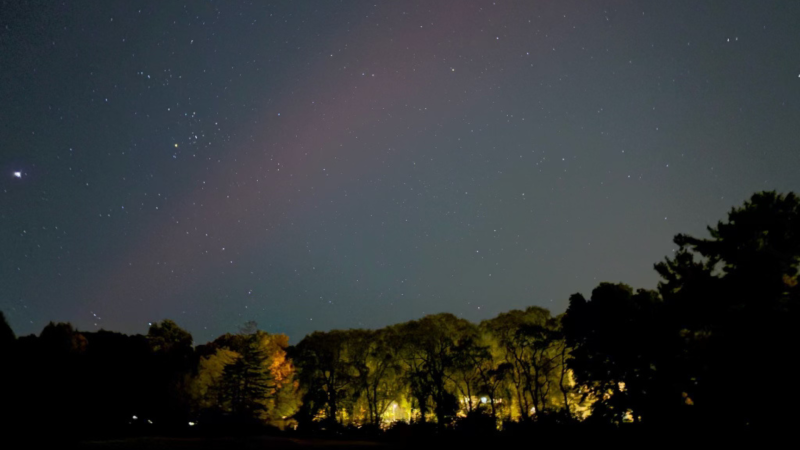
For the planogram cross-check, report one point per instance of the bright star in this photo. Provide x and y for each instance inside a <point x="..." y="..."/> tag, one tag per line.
<point x="18" y="174"/>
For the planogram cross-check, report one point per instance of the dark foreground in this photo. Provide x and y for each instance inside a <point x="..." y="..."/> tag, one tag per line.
<point x="678" y="438"/>
<point x="228" y="443"/>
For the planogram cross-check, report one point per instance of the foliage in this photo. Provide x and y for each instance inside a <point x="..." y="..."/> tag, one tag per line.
<point x="247" y="377"/>
<point x="7" y="336"/>
<point x="707" y="347"/>
<point x="733" y="300"/>
<point x="613" y="336"/>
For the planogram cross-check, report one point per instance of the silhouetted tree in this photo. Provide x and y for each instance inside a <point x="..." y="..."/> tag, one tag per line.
<point x="491" y="370"/>
<point x="430" y="347"/>
<point x="525" y="343"/>
<point x="324" y="370"/>
<point x="117" y="374"/>
<point x="373" y="361"/>
<point x="733" y="300"/>
<point x="714" y="346"/>
<point x="7" y="336"/>
<point x="613" y="341"/>
<point x="173" y="360"/>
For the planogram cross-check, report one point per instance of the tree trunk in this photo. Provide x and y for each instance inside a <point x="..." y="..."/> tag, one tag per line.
<point x="564" y="390"/>
<point x="523" y="403"/>
<point x="332" y="405"/>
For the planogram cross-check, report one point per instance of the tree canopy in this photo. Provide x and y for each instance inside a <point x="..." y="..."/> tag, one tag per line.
<point x="710" y="346"/>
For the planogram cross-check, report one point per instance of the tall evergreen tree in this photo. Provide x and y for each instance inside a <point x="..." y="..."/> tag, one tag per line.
<point x="246" y="380"/>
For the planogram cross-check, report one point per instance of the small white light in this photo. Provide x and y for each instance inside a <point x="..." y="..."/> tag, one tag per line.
<point x="18" y="174"/>
<point x="149" y="421"/>
<point x="483" y="399"/>
<point x="191" y="424"/>
<point x="134" y="417"/>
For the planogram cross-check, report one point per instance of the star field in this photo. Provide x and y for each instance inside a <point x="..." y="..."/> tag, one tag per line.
<point x="323" y="164"/>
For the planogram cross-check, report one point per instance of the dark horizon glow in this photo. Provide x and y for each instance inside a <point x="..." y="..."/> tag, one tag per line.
<point x="319" y="165"/>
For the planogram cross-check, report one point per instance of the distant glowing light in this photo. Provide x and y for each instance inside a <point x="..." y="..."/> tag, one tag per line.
<point x="484" y="399"/>
<point x="191" y="424"/>
<point x="134" y="417"/>
<point x="18" y="174"/>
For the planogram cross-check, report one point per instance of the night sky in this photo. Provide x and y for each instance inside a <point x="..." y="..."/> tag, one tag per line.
<point x="326" y="164"/>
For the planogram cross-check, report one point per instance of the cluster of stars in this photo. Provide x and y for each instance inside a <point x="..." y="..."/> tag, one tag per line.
<point x="347" y="168"/>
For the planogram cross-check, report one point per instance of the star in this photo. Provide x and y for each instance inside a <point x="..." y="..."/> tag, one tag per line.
<point x="18" y="174"/>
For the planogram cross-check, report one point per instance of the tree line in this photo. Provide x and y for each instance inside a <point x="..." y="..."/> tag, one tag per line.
<point x="712" y="346"/>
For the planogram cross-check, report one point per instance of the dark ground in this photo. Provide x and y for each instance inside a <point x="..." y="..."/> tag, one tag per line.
<point x="258" y="442"/>
<point x="574" y="438"/>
